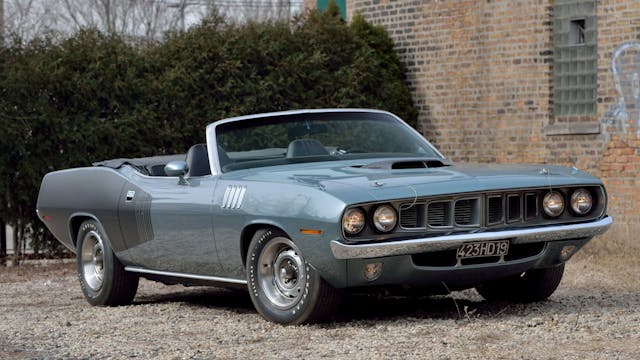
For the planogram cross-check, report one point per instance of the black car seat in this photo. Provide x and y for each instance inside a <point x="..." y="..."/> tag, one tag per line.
<point x="198" y="161"/>
<point x="306" y="147"/>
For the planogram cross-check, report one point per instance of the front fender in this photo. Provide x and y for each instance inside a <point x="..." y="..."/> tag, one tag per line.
<point x="291" y="208"/>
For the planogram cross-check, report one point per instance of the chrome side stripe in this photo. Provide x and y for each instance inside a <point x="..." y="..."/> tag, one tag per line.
<point x="185" y="276"/>
<point x="233" y="196"/>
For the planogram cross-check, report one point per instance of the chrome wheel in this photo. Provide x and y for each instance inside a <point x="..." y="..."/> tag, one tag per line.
<point x="283" y="286"/>
<point x="281" y="273"/>
<point x="92" y="260"/>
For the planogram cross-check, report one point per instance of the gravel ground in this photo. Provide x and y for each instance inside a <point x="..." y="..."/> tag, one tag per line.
<point x="594" y="314"/>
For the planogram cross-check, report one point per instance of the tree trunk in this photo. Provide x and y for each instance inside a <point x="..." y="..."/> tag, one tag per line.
<point x="3" y="239"/>
<point x="2" y="44"/>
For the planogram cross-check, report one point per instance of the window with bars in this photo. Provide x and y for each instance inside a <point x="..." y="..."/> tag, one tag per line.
<point x="575" y="57"/>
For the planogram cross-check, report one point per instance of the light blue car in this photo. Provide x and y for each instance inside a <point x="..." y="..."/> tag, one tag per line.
<point x="301" y="206"/>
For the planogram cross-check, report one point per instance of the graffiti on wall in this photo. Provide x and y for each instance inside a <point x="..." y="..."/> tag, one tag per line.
<point x="625" y="67"/>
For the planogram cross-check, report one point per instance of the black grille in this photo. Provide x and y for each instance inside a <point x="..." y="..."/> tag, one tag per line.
<point x="439" y="214"/>
<point x="495" y="211"/>
<point x="466" y="212"/>
<point x="474" y="210"/>
<point x="530" y="206"/>
<point x="514" y="207"/>
<point x="409" y="217"/>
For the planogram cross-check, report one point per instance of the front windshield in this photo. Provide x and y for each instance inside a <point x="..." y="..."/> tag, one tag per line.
<point x="312" y="137"/>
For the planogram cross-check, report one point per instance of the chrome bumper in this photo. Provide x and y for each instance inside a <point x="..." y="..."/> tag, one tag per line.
<point x="414" y="246"/>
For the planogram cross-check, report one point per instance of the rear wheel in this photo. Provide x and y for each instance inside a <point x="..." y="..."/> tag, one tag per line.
<point x="533" y="285"/>
<point x="102" y="277"/>
<point x="283" y="286"/>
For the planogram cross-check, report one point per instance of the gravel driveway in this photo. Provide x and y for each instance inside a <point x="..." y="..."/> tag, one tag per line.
<point x="594" y="314"/>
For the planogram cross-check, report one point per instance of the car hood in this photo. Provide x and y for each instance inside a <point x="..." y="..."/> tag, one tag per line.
<point x="357" y="182"/>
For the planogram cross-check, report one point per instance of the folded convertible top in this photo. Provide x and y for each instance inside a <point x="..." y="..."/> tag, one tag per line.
<point x="145" y="165"/>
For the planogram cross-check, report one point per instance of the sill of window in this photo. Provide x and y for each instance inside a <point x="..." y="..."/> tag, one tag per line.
<point x="572" y="129"/>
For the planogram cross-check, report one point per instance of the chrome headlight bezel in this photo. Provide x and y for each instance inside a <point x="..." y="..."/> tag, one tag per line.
<point x="354" y="221"/>
<point x="553" y="204"/>
<point x="384" y="218"/>
<point x="581" y="197"/>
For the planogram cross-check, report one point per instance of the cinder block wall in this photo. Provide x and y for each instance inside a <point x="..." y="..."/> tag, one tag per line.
<point x="481" y="73"/>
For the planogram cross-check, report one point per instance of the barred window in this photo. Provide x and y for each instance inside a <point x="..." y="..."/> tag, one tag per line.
<point x="575" y="57"/>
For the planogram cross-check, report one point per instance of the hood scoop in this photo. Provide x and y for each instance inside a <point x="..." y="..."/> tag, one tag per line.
<point x="405" y="164"/>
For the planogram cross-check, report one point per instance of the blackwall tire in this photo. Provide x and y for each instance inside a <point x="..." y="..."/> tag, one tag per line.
<point x="283" y="286"/>
<point x="103" y="280"/>
<point x="534" y="285"/>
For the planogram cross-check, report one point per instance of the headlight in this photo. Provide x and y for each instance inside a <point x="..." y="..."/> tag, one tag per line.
<point x="553" y="204"/>
<point x="353" y="221"/>
<point x="581" y="201"/>
<point x="384" y="218"/>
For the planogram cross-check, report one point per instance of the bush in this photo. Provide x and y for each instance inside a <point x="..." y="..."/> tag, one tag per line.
<point x="94" y="96"/>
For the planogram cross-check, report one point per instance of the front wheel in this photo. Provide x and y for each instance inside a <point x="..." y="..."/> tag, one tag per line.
<point x="102" y="277"/>
<point x="283" y="286"/>
<point x="533" y="285"/>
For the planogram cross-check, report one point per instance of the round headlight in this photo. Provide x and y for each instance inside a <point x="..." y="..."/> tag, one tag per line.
<point x="384" y="218"/>
<point x="581" y="201"/>
<point x="553" y="204"/>
<point x="353" y="221"/>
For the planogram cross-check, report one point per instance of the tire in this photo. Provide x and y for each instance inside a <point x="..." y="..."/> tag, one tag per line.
<point x="283" y="286"/>
<point x="534" y="285"/>
<point x="103" y="280"/>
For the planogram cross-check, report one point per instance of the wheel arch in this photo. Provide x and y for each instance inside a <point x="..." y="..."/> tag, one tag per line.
<point x="75" y="220"/>
<point x="315" y="248"/>
<point x="247" y="235"/>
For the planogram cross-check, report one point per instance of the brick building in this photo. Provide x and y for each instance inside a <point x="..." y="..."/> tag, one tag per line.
<point x="523" y="81"/>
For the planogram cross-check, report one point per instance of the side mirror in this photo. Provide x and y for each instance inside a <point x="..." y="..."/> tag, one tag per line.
<point x="176" y="168"/>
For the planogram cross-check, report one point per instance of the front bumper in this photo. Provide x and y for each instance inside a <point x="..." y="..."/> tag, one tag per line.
<point x="521" y="236"/>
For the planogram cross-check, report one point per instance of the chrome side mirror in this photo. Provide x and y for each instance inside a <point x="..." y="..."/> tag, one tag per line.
<point x="177" y="168"/>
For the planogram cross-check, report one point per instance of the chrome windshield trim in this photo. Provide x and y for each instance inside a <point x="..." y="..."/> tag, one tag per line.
<point x="186" y="276"/>
<point x="437" y="243"/>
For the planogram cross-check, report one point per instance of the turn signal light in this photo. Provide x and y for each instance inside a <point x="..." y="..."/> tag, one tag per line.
<point x="372" y="271"/>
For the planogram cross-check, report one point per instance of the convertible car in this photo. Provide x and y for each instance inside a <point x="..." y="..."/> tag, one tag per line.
<point x="300" y="206"/>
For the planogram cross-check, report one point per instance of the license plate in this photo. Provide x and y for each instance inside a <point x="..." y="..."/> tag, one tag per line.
<point x="483" y="249"/>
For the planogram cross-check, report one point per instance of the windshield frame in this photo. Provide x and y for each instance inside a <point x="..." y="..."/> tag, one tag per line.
<point x="211" y="129"/>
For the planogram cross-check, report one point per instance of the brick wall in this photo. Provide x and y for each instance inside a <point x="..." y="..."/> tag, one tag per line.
<point x="481" y="73"/>
<point x="619" y="164"/>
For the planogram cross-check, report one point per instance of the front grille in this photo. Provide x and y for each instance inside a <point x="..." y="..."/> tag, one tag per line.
<point x="514" y="207"/>
<point x="409" y="216"/>
<point x="475" y="210"/>
<point x="466" y="212"/>
<point x="439" y="214"/>
<point x="530" y="206"/>
<point x="495" y="210"/>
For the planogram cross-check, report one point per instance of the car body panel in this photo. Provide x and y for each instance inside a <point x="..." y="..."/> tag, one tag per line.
<point x="82" y="192"/>
<point x="171" y="223"/>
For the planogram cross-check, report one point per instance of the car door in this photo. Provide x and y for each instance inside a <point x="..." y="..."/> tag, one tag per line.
<point x="167" y="224"/>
